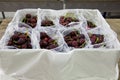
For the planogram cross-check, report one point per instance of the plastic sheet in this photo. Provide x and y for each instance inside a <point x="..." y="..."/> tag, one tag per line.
<point x="47" y="65"/>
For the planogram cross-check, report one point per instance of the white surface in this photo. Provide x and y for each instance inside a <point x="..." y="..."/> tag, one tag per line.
<point x="48" y="65"/>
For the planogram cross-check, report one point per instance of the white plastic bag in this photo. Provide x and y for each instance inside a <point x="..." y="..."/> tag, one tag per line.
<point x="15" y="27"/>
<point x="80" y="29"/>
<point x="46" y="14"/>
<point x="92" y="16"/>
<point x="20" y="15"/>
<point x="109" y="37"/>
<point x="54" y="34"/>
<point x="73" y="13"/>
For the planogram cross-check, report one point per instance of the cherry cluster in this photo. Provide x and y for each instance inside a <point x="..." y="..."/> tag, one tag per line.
<point x="96" y="38"/>
<point x="30" y="20"/>
<point x="47" y="42"/>
<point x="47" y="23"/>
<point x="75" y="39"/>
<point x="66" y="20"/>
<point x="20" y="40"/>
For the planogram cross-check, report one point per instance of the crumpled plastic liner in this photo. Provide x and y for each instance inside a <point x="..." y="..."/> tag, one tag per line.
<point x="77" y="64"/>
<point x="47" y="65"/>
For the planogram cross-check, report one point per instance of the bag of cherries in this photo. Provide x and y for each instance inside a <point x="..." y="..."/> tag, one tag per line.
<point x="26" y="16"/>
<point x="16" y="38"/>
<point x="100" y="38"/>
<point x="49" y="38"/>
<point x="91" y="20"/>
<point x="68" y="18"/>
<point x="48" y="18"/>
<point x="76" y="37"/>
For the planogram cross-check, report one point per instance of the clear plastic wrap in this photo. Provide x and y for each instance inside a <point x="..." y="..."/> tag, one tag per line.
<point x="55" y="35"/>
<point x="48" y="15"/>
<point x="108" y="36"/>
<point x="15" y="27"/>
<point x="69" y="13"/>
<point x="20" y="15"/>
<point x="80" y="29"/>
<point x="90" y="15"/>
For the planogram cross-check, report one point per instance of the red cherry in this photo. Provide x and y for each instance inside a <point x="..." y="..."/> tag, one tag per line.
<point x="46" y="39"/>
<point x="74" y="43"/>
<point x="82" y="41"/>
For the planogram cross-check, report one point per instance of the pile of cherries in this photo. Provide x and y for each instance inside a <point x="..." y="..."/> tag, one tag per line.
<point x="47" y="42"/>
<point x="20" y="40"/>
<point x="30" y="20"/>
<point x="75" y="39"/>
